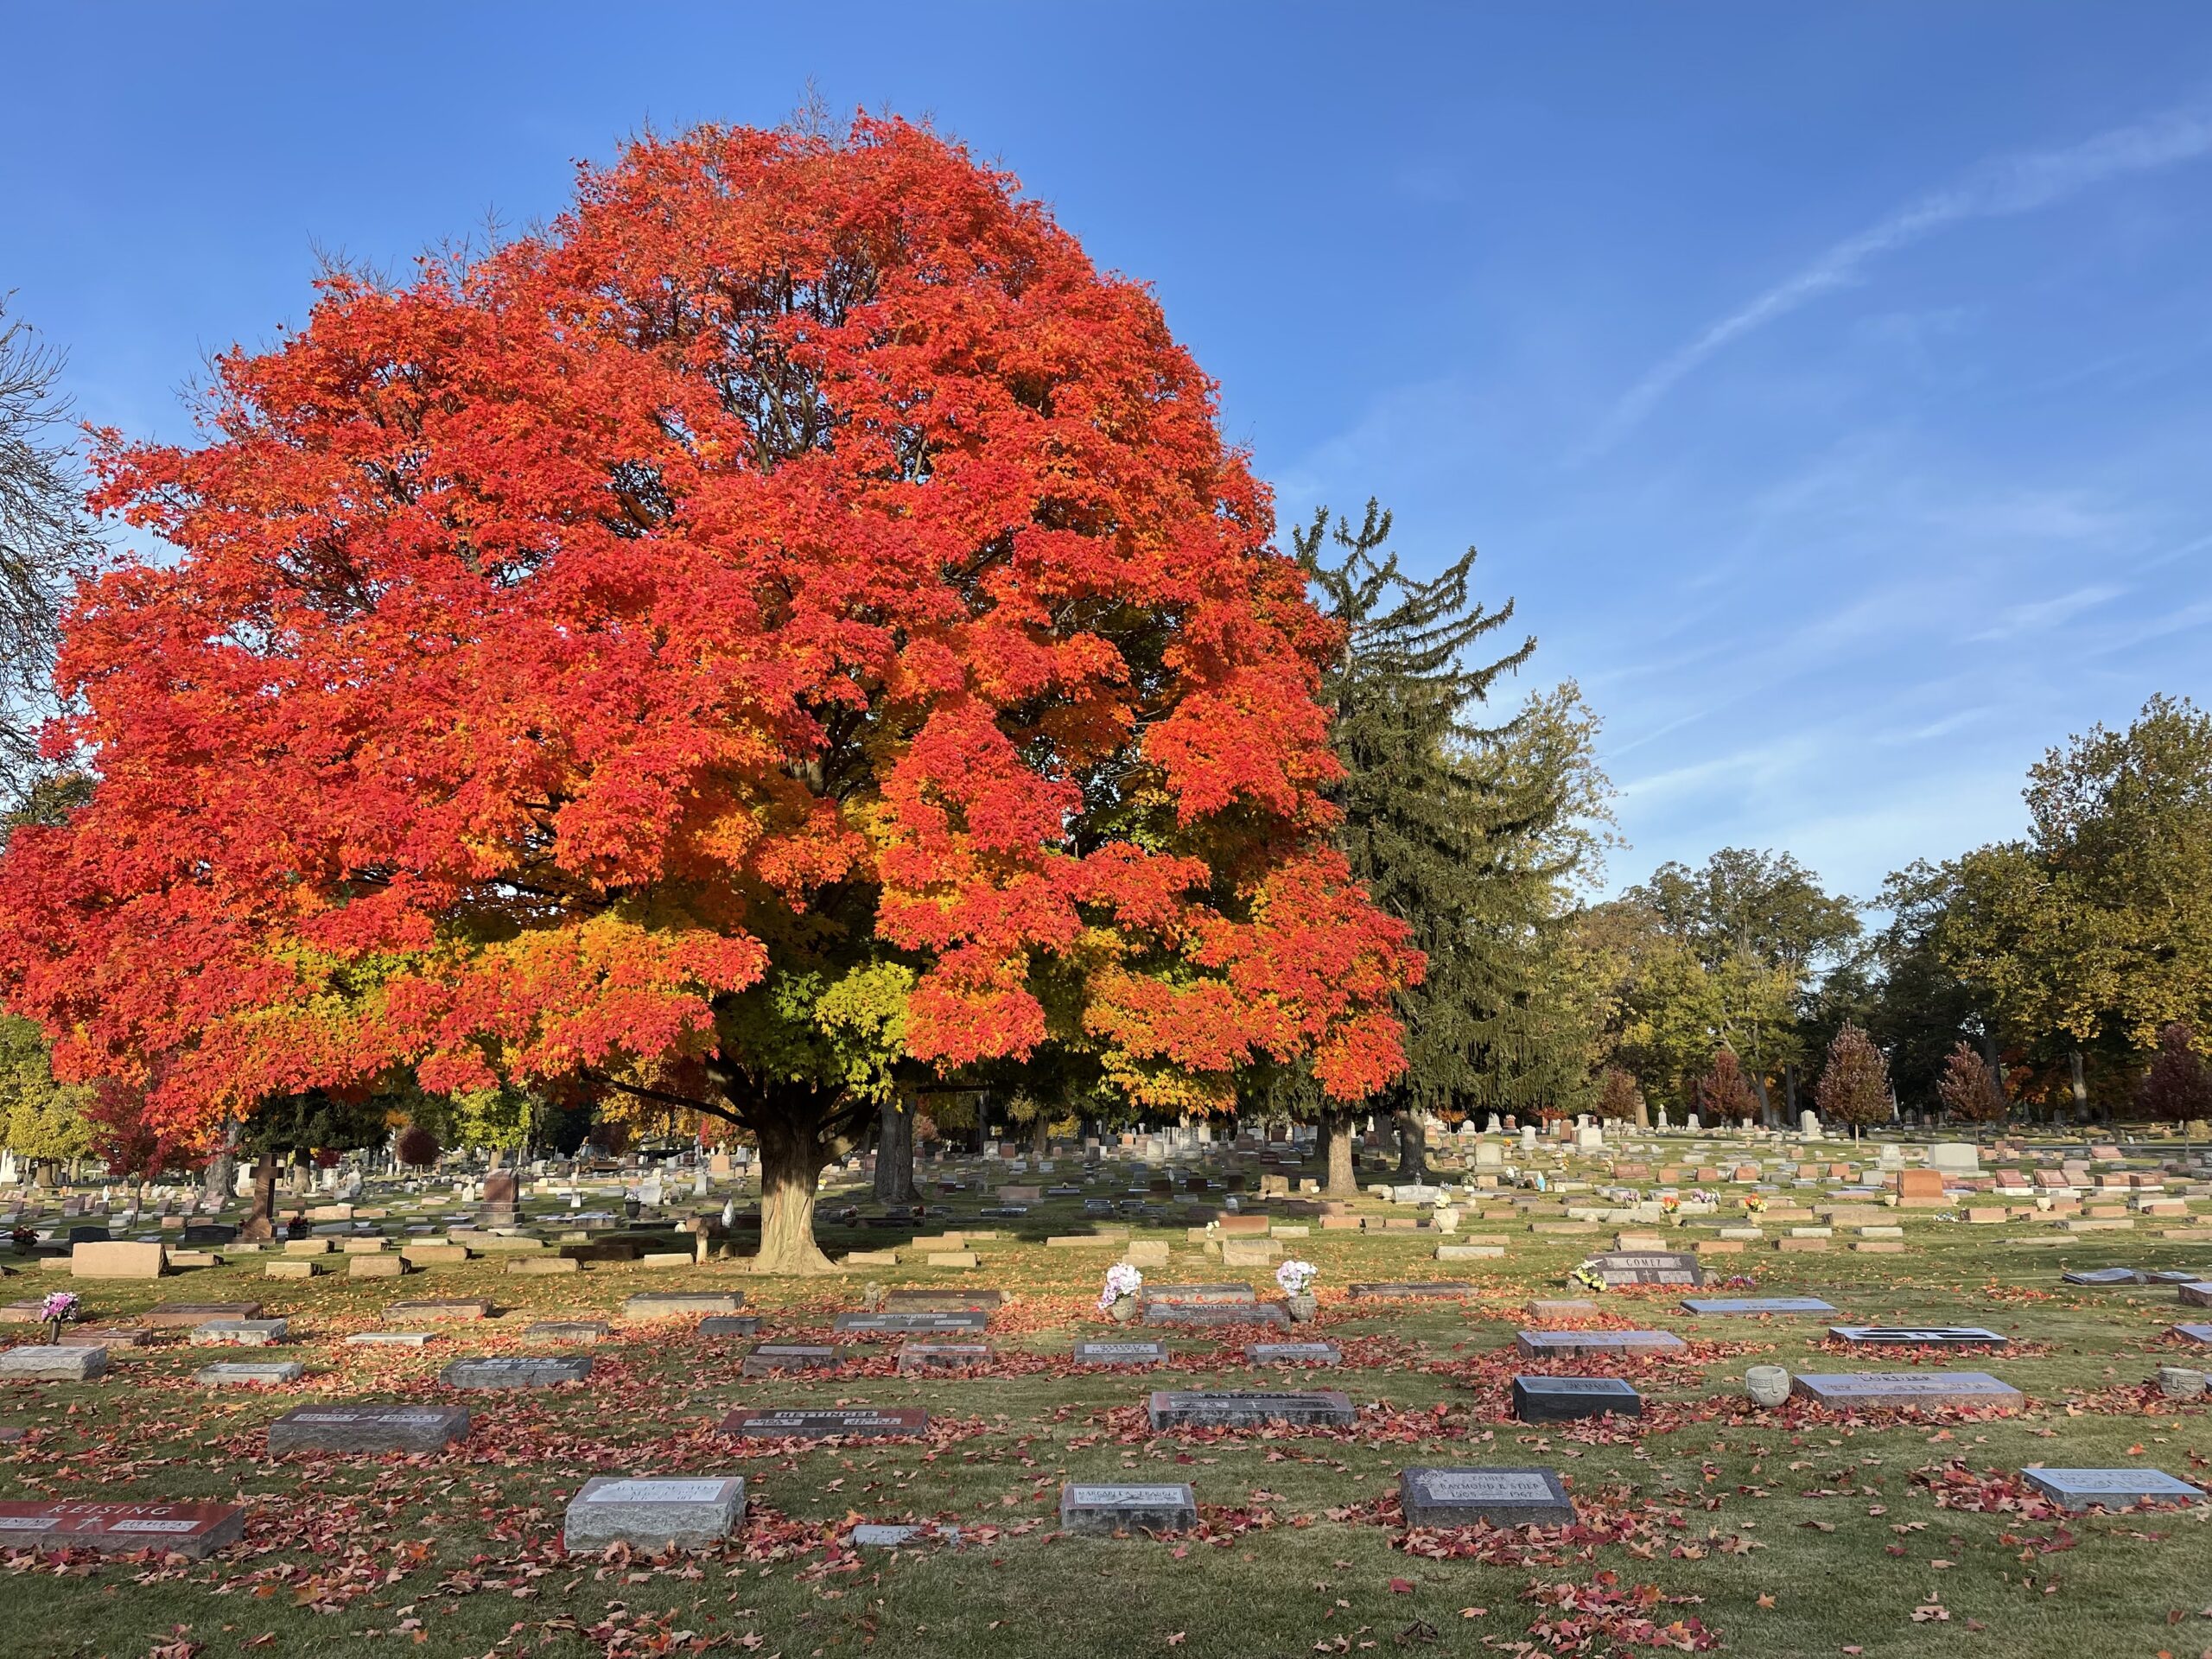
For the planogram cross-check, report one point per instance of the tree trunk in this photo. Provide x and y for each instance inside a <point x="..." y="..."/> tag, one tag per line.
<point x="1996" y="1066"/>
<point x="1340" y="1180"/>
<point x="1413" y="1146"/>
<point x="2080" y="1086"/>
<point x="1040" y="1135"/>
<point x="1766" y="1101"/>
<point x="894" y="1153"/>
<point x="790" y="1173"/>
<point x="222" y="1170"/>
<point x="261" y="1220"/>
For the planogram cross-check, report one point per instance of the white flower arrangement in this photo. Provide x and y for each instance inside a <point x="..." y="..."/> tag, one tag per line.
<point x="1295" y="1277"/>
<point x="1122" y="1279"/>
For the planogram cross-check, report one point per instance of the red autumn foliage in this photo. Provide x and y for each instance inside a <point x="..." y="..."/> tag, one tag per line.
<point x="417" y="1147"/>
<point x="798" y="557"/>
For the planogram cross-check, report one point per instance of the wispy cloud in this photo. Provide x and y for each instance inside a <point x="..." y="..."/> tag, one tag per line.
<point x="2040" y="616"/>
<point x="2017" y="184"/>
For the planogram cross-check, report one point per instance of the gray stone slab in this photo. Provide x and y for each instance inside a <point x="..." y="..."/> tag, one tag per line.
<point x="1930" y="1336"/>
<point x="440" y="1308"/>
<point x="1424" y="1290"/>
<point x="1095" y="1509"/>
<point x="1199" y="1293"/>
<point x="1292" y="1353"/>
<point x="391" y="1338"/>
<point x="875" y="1534"/>
<point x="1121" y="1353"/>
<point x="730" y="1325"/>
<point x="568" y="1330"/>
<point x="915" y="1357"/>
<point x="238" y="1373"/>
<point x="1902" y="1390"/>
<point x="942" y="1301"/>
<point x="2103" y="1277"/>
<point x="1756" y="1305"/>
<point x="1564" y="1399"/>
<point x="2199" y="1333"/>
<point x="239" y="1333"/>
<point x="815" y="1424"/>
<point x="1537" y="1344"/>
<point x="1497" y="1497"/>
<point x="768" y="1357"/>
<point x="193" y="1530"/>
<point x="1647" y="1268"/>
<point x="53" y="1362"/>
<point x="1247" y="1407"/>
<point x="913" y="1324"/>
<point x="516" y="1372"/>
<point x="368" y="1428"/>
<point x="680" y="1304"/>
<point x="1218" y="1313"/>
<point x="2111" y="1489"/>
<point x="653" y="1512"/>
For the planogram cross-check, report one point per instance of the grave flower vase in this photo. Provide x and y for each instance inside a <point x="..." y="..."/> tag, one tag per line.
<point x="1302" y="1307"/>
<point x="1768" y="1385"/>
<point x="1124" y="1309"/>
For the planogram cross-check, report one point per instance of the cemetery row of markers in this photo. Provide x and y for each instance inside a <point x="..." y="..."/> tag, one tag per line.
<point x="653" y="1513"/>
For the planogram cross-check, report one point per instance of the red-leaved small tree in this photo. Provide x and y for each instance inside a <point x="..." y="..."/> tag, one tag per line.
<point x="1969" y="1089"/>
<point x="417" y="1147"/>
<point x="1723" y="1094"/>
<point x="1855" y="1083"/>
<point x="1618" y="1098"/>
<point x="2178" y="1086"/>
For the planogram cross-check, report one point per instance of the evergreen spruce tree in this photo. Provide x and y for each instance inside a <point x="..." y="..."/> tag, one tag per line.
<point x="1421" y="825"/>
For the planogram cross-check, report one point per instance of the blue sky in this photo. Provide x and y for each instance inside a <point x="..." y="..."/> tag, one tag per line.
<point x="1831" y="386"/>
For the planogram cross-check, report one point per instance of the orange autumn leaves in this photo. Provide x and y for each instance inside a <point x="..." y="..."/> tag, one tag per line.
<point x="554" y="637"/>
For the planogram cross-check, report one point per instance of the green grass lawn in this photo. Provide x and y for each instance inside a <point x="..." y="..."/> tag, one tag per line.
<point x="1796" y="1532"/>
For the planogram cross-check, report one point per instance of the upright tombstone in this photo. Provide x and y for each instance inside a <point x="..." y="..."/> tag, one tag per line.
<point x="1647" y="1268"/>
<point x="368" y="1428"/>
<point x="652" y="1514"/>
<point x="1497" y="1497"/>
<point x="1097" y="1509"/>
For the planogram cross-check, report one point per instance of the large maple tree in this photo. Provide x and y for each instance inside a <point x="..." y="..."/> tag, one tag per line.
<point x="792" y="620"/>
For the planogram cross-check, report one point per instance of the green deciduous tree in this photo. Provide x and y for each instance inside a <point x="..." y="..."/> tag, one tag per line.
<point x="41" y="1121"/>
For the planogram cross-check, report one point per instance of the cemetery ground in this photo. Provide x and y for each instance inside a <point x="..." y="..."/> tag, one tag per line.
<point x="1706" y="1523"/>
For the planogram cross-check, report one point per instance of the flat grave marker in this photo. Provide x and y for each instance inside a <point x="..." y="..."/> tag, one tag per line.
<point x="516" y="1372"/>
<point x="942" y="1301"/>
<point x="39" y="1362"/>
<point x="680" y="1304"/>
<point x="1091" y="1510"/>
<point x="2113" y="1489"/>
<point x="368" y="1428"/>
<point x="391" y="1338"/>
<point x="164" y="1316"/>
<point x="913" y="1324"/>
<point x="193" y="1530"/>
<point x="814" y="1424"/>
<point x="1121" y="1353"/>
<point x="1902" y="1390"/>
<point x="567" y="1331"/>
<point x="1756" y="1305"/>
<point x="915" y="1357"/>
<point x="1564" y="1399"/>
<point x="1500" y="1498"/>
<point x="730" y="1325"/>
<point x="439" y="1308"/>
<point x="1931" y="1336"/>
<point x="649" y="1513"/>
<point x="230" y="1373"/>
<point x="1292" y="1353"/>
<point x="1413" y="1291"/>
<point x="1537" y="1344"/>
<point x="766" y="1359"/>
<point x="1199" y="1294"/>
<point x="2198" y="1333"/>
<point x="895" y="1534"/>
<point x="1247" y="1407"/>
<point x="1209" y="1313"/>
